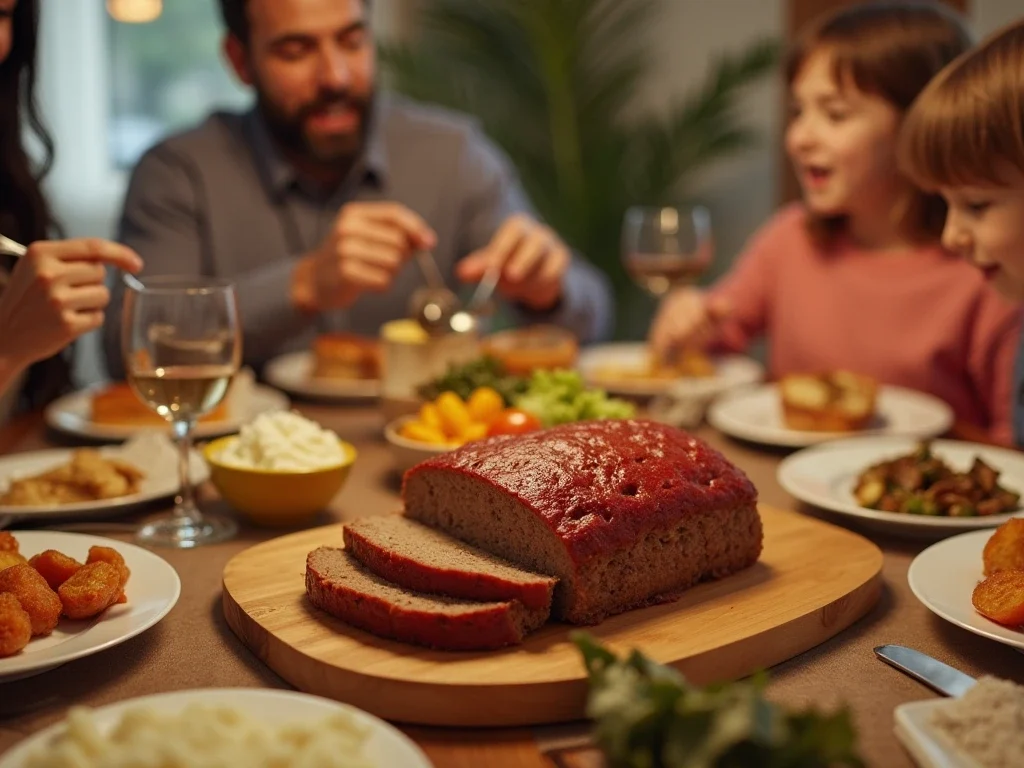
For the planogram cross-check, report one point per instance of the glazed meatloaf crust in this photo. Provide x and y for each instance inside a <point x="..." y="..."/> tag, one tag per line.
<point x="423" y="559"/>
<point x="623" y="513"/>
<point x="337" y="583"/>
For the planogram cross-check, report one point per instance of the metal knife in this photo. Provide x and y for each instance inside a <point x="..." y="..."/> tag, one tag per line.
<point x="923" y="668"/>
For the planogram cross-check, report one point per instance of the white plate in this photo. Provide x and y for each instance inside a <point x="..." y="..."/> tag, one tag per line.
<point x="928" y="748"/>
<point x="72" y="414"/>
<point x="943" y="578"/>
<point x="155" y="485"/>
<point x="293" y="373"/>
<point x="755" y="414"/>
<point x="386" y="747"/>
<point x="730" y="371"/>
<point x="826" y="475"/>
<point x="152" y="591"/>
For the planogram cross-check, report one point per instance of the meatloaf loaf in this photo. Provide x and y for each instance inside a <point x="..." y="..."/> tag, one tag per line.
<point x="423" y="559"/>
<point x="337" y="583"/>
<point x="623" y="513"/>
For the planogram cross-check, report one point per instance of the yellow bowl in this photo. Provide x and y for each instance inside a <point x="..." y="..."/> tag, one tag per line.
<point x="274" y="497"/>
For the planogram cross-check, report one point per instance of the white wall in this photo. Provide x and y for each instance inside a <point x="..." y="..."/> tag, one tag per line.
<point x="989" y="15"/>
<point x="83" y="187"/>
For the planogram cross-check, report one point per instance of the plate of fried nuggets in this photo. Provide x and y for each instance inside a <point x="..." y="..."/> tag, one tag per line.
<point x="66" y="595"/>
<point x="1000" y="596"/>
<point x="36" y="593"/>
<point x="88" y="481"/>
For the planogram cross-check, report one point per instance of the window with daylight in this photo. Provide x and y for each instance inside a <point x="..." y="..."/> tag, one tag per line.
<point x="166" y="75"/>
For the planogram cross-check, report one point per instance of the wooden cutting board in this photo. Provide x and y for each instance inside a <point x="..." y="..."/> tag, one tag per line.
<point x="813" y="581"/>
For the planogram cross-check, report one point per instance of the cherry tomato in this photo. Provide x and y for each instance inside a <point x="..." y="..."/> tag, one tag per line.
<point x="513" y="421"/>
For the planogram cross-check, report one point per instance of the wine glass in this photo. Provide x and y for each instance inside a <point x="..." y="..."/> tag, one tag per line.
<point x="182" y="346"/>
<point x="665" y="247"/>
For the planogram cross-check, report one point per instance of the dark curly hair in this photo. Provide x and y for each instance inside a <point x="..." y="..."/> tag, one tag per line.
<point x="24" y="214"/>
<point x="237" y="20"/>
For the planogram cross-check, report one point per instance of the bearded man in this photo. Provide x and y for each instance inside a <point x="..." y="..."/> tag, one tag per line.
<point x="315" y="201"/>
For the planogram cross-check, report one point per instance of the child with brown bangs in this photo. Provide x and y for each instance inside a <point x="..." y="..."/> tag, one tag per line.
<point x="844" y="279"/>
<point x="964" y="137"/>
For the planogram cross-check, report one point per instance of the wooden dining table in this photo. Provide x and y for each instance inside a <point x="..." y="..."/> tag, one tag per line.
<point x="193" y="647"/>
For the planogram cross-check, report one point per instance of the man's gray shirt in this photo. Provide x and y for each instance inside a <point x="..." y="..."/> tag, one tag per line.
<point x="219" y="200"/>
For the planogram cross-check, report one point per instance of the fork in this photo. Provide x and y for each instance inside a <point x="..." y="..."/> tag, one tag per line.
<point x="484" y="289"/>
<point x="11" y="247"/>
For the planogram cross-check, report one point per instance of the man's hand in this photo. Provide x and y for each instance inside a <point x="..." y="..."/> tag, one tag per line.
<point x="55" y="294"/>
<point x="532" y="258"/>
<point x="368" y="245"/>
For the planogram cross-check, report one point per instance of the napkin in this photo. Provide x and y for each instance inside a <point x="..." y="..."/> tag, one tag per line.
<point x="240" y="395"/>
<point x="155" y="453"/>
<point x="686" y="411"/>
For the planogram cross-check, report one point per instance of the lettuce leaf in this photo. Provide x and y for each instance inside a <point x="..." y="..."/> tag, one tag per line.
<point x="560" y="397"/>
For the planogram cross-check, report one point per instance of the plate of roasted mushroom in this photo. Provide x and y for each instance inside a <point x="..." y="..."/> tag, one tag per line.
<point x="902" y="486"/>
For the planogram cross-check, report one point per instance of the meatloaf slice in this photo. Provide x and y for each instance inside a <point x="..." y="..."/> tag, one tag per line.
<point x="623" y="513"/>
<point x="416" y="557"/>
<point x="337" y="583"/>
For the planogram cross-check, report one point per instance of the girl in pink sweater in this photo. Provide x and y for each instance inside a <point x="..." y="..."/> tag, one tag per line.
<point x="855" y="277"/>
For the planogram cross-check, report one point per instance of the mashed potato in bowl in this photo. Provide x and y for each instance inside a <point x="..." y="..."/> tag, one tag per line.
<point x="283" y="441"/>
<point x="282" y="469"/>
<point x="210" y="735"/>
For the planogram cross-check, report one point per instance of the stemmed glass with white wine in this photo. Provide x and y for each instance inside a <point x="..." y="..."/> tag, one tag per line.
<point x="182" y="346"/>
<point x="665" y="247"/>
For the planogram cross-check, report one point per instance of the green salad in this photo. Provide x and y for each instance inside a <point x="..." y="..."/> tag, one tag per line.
<point x="554" y="397"/>
<point x="560" y="396"/>
<point x="647" y="716"/>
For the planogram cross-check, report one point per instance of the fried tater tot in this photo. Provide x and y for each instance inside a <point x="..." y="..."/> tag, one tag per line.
<point x="1004" y="551"/>
<point x="8" y="543"/>
<point x="1000" y="597"/>
<point x="112" y="556"/>
<point x="93" y="589"/>
<point x="15" y="625"/>
<point x="39" y="601"/>
<point x="55" y="567"/>
<point x="7" y="559"/>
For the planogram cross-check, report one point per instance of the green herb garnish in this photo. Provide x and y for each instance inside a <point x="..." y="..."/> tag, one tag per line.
<point x="647" y="716"/>
<point x="482" y="372"/>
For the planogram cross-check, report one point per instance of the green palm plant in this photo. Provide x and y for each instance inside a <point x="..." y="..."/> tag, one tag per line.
<point x="554" y="82"/>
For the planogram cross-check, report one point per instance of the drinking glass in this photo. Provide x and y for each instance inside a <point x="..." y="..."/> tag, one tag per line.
<point x="182" y="346"/>
<point x="665" y="247"/>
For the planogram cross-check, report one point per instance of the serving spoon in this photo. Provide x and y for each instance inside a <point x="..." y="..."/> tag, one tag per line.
<point x="434" y="306"/>
<point x="466" y="320"/>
